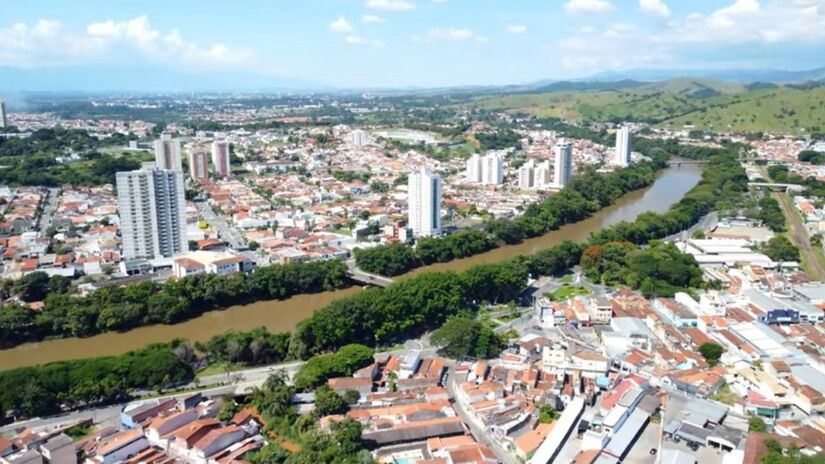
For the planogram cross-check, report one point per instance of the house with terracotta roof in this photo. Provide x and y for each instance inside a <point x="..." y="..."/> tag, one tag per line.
<point x="118" y="447"/>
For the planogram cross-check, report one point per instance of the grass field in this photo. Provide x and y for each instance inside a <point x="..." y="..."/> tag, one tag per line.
<point x="679" y="103"/>
<point x="568" y="291"/>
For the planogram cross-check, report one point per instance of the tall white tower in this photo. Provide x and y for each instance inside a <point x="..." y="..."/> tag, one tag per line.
<point x="541" y="175"/>
<point x="3" y="121"/>
<point x="424" y="203"/>
<point x="197" y="164"/>
<point x="220" y="158"/>
<point x="563" y="163"/>
<point x="525" y="175"/>
<point x="474" y="168"/>
<point x="167" y="153"/>
<point x="623" y="146"/>
<point x="358" y="138"/>
<point x="492" y="172"/>
<point x="152" y="215"/>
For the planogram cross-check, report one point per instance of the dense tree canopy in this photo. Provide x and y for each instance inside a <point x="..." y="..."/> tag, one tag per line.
<point x="462" y="337"/>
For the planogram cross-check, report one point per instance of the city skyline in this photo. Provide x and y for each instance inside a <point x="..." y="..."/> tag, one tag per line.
<point x="397" y="43"/>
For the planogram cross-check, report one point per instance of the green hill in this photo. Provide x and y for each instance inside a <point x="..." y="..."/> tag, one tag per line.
<point x="677" y="103"/>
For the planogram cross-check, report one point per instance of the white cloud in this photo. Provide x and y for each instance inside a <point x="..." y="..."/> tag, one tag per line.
<point x="47" y="43"/>
<point x="655" y="7"/>
<point x="341" y="25"/>
<point x="588" y="6"/>
<point x="749" y="21"/>
<point x="482" y="40"/>
<point x="371" y="19"/>
<point x="390" y="5"/>
<point x="516" y="29"/>
<point x="358" y="40"/>
<point x="455" y="34"/>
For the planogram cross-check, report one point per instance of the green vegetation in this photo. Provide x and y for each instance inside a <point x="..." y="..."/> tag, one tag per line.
<point x="50" y="388"/>
<point x="779" y="249"/>
<point x="811" y="156"/>
<point x="342" y="363"/>
<point x="246" y="348"/>
<point x="658" y="270"/>
<point x="548" y="414"/>
<point x="725" y="396"/>
<point x="777" y="455"/>
<point x="120" y="308"/>
<point x="462" y="337"/>
<point x="585" y="195"/>
<point x="711" y="352"/>
<point x="771" y="214"/>
<point x="497" y="140"/>
<point x="350" y="176"/>
<point x="274" y="402"/>
<point x="707" y="106"/>
<point x="78" y="431"/>
<point x="756" y="424"/>
<point x="566" y="292"/>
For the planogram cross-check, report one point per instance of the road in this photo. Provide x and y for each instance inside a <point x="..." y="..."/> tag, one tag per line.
<point x="477" y="429"/>
<point x="365" y="277"/>
<point x="226" y="232"/>
<point x="706" y="224"/>
<point x="799" y="236"/>
<point x="214" y="385"/>
<point x="45" y="219"/>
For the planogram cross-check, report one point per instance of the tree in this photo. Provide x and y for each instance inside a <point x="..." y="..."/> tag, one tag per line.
<point x="779" y="249"/>
<point x="461" y="336"/>
<point x="711" y="352"/>
<point x="329" y="402"/>
<point x="547" y="414"/>
<point x="33" y="287"/>
<point x="756" y="424"/>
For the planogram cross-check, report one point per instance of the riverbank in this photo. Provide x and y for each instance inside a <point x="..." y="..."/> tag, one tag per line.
<point x="284" y="315"/>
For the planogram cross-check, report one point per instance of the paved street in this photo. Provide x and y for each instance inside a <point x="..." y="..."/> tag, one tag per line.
<point x="45" y="219"/>
<point x="227" y="233"/>
<point x="479" y="432"/>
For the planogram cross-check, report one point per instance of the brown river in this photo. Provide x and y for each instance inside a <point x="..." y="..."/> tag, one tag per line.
<point x="284" y="315"/>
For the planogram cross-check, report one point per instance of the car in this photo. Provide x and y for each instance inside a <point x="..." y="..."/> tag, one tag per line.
<point x="653" y="451"/>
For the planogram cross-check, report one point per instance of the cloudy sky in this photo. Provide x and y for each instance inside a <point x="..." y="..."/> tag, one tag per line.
<point x="413" y="42"/>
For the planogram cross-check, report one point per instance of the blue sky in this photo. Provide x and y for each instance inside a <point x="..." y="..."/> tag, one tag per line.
<point x="369" y="43"/>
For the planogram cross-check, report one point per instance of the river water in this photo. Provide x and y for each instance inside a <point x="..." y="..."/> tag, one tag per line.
<point x="284" y="315"/>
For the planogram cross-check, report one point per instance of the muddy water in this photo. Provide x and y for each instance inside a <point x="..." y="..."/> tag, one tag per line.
<point x="284" y="315"/>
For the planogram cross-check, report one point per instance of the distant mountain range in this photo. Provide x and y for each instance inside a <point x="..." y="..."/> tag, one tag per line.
<point x="731" y="75"/>
<point x="99" y="79"/>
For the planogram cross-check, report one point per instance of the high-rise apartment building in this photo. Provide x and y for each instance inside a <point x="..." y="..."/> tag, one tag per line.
<point x="541" y="175"/>
<point x="474" y="168"/>
<point x="167" y="153"/>
<point x="526" y="175"/>
<point x="563" y="165"/>
<point x="358" y="138"/>
<point x="623" y="146"/>
<point x="492" y="169"/>
<point x="220" y="158"/>
<point x="424" y="203"/>
<point x="3" y="121"/>
<point x="152" y="217"/>
<point x="198" y="163"/>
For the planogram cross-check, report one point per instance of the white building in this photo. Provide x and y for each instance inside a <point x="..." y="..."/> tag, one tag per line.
<point x="358" y="138"/>
<point x="220" y="158"/>
<point x="492" y="171"/>
<point x="152" y="213"/>
<point x="474" y="168"/>
<point x="209" y="262"/>
<point x="197" y="164"/>
<point x="424" y="203"/>
<point x="623" y="144"/>
<point x="541" y="175"/>
<point x="2" y="114"/>
<point x="563" y="163"/>
<point x="167" y="153"/>
<point x="526" y="175"/>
